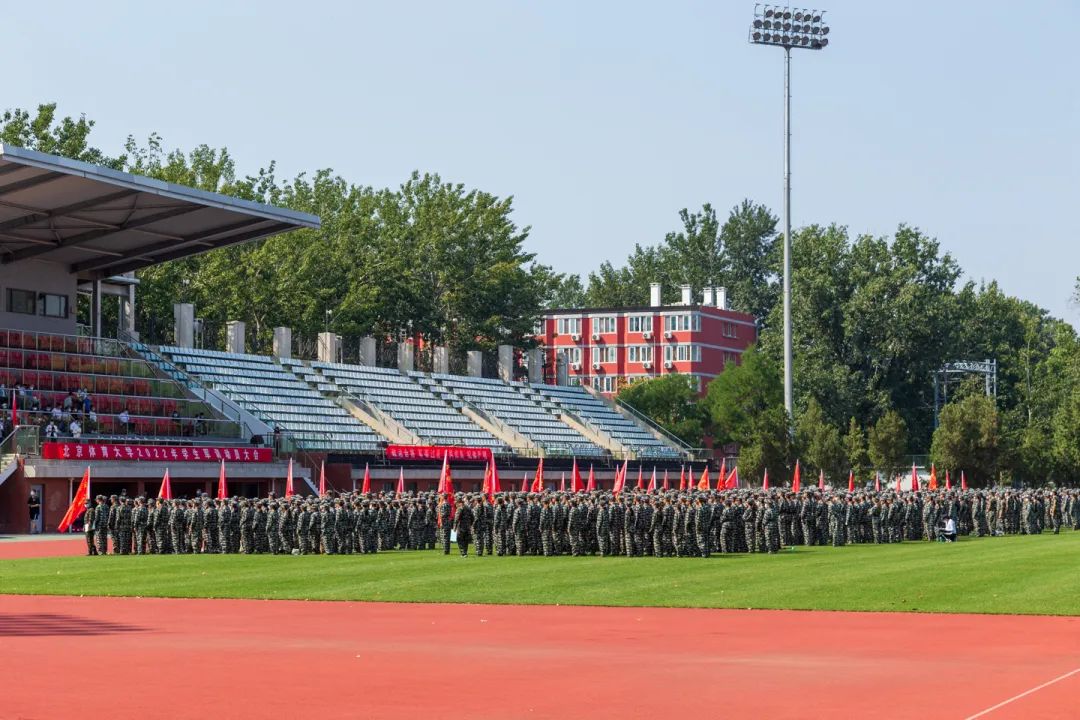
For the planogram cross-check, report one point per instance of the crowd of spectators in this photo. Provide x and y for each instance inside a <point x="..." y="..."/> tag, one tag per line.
<point x="75" y="416"/>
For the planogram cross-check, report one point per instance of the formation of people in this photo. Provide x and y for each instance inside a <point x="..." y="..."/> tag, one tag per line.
<point x="632" y="523"/>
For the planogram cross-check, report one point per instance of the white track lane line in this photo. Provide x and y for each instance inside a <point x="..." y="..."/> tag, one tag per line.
<point x="1014" y="698"/>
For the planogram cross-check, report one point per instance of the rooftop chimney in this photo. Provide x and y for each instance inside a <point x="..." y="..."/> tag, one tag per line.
<point x="654" y="295"/>
<point x="687" y="298"/>
<point x="721" y="298"/>
<point x="707" y="297"/>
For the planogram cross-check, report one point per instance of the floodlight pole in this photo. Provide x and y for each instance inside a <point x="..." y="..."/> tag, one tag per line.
<point x="789" y="405"/>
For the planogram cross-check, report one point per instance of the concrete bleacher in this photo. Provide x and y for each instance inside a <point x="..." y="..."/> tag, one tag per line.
<point x="276" y="393"/>
<point x="526" y="417"/>
<point x="599" y="414"/>
<point x="414" y="400"/>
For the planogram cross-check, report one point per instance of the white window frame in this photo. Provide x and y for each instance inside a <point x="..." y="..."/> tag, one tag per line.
<point x="639" y="323"/>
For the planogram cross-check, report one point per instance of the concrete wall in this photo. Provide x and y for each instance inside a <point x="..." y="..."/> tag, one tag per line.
<point x="40" y="277"/>
<point x="283" y="342"/>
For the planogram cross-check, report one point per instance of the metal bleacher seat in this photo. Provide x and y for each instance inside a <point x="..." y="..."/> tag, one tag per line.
<point x="271" y="391"/>
<point x="524" y="415"/>
<point x="413" y="401"/>
<point x="597" y="413"/>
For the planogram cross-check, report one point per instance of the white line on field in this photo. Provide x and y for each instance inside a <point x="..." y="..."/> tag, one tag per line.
<point x="1014" y="698"/>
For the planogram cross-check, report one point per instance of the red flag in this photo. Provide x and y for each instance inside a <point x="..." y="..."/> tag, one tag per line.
<point x="365" y="486"/>
<point x="640" y="478"/>
<point x="525" y="483"/>
<point x="289" y="492"/>
<point x="562" y="483"/>
<point x="575" y="478"/>
<point x="682" y="478"/>
<point x="796" y="485"/>
<point x="821" y="479"/>
<point x="538" y="479"/>
<point x="851" y="481"/>
<point x="703" y="484"/>
<point x="620" y="478"/>
<point x="765" y="480"/>
<point x="223" y="484"/>
<point x="963" y="481"/>
<point x="731" y="482"/>
<point x="948" y="481"/>
<point x="914" y="478"/>
<point x="933" y="477"/>
<point x="652" y="480"/>
<point x="322" y="478"/>
<point x="496" y="484"/>
<point x="78" y="503"/>
<point x="485" y="488"/>
<point x="722" y="477"/>
<point x="897" y="483"/>
<point x="443" y="474"/>
<point x="165" y="491"/>
<point x="401" y="482"/>
<point x="877" y="482"/>
<point x="592" y="480"/>
<point x="666" y="485"/>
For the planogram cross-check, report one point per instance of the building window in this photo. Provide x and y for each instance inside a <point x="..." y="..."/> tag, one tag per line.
<point x="538" y="328"/>
<point x="574" y="381"/>
<point x="609" y="384"/>
<point x="639" y="323"/>
<point x="569" y="326"/>
<point x="22" y="301"/>
<point x="573" y="355"/>
<point x="639" y="353"/>
<point x="605" y="324"/>
<point x="605" y="354"/>
<point x="730" y="330"/>
<point x="55" y="306"/>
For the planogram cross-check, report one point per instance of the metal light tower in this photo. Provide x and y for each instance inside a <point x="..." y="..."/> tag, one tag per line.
<point x="800" y="29"/>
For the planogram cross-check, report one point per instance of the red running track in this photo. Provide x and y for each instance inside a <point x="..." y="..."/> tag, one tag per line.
<point x="11" y="550"/>
<point x="65" y="657"/>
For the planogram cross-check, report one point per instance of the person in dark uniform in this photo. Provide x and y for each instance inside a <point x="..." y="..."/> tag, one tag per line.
<point x="34" y="503"/>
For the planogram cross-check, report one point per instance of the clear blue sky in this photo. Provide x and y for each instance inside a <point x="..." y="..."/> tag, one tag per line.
<point x="603" y="119"/>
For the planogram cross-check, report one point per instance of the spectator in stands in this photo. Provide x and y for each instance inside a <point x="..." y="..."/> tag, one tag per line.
<point x="87" y="403"/>
<point x="57" y="414"/>
<point x="199" y="426"/>
<point x="125" y="421"/>
<point x="178" y="423"/>
<point x="35" y="399"/>
<point x="69" y="403"/>
<point x="277" y="438"/>
<point x="81" y="395"/>
<point x="75" y="429"/>
<point x="91" y="420"/>
<point x="52" y="431"/>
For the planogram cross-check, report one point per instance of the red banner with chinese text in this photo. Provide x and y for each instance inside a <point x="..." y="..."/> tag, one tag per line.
<point x="437" y="452"/>
<point x="153" y="453"/>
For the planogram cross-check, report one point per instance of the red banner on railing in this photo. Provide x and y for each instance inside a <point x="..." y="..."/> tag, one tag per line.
<point x="437" y="452"/>
<point x="153" y="453"/>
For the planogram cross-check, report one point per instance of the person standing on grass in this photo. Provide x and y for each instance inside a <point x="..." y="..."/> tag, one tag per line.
<point x="89" y="527"/>
<point x="463" y="525"/>
<point x="34" y="506"/>
<point x="101" y="525"/>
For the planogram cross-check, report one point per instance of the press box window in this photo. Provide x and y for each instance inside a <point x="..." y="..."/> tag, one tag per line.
<point x="55" y="306"/>
<point x="22" y="301"/>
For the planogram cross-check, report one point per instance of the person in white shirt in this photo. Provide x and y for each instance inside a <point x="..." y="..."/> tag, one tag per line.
<point x="51" y="431"/>
<point x="948" y="532"/>
<point x="125" y="421"/>
<point x="76" y="429"/>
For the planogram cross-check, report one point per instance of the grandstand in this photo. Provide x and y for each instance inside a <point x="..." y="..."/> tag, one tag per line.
<point x="594" y="411"/>
<point x="525" y="416"/>
<point x="414" y="401"/>
<point x="271" y="391"/>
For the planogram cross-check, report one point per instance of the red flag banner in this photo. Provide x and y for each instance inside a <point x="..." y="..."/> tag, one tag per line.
<point x="165" y="491"/>
<point x="322" y="478"/>
<point x="223" y="487"/>
<point x="592" y="480"/>
<point x="765" y="480"/>
<point x="153" y="453"/>
<point x="437" y="452"/>
<point x="289" y="492"/>
<point x="796" y="483"/>
<point x="78" y="503"/>
<point x="365" y="486"/>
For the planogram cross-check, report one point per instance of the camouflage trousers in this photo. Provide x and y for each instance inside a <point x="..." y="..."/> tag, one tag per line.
<point x="500" y="541"/>
<point x="444" y="540"/>
<point x="808" y="532"/>
<point x="603" y="541"/>
<point x="140" y="539"/>
<point x="703" y="544"/>
<point x="727" y="538"/>
<point x="464" y="537"/>
<point x="482" y="538"/>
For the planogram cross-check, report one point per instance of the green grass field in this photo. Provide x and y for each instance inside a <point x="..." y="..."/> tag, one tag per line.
<point x="1023" y="575"/>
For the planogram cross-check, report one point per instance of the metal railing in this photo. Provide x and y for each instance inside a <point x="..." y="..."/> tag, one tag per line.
<point x="23" y="440"/>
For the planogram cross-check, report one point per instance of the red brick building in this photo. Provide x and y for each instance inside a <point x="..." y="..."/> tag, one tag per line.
<point x="607" y="347"/>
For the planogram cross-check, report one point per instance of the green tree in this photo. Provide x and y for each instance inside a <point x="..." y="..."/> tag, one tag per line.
<point x="887" y="442"/>
<point x="858" y="460"/>
<point x="671" y="402"/>
<point x="745" y="406"/>
<point x="967" y="438"/>
<point x="818" y="441"/>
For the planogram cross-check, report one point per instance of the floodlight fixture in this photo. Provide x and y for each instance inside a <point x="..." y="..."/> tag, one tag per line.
<point x="807" y="32"/>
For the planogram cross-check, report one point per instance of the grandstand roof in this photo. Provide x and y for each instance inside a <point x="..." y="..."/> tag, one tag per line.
<point x="101" y="222"/>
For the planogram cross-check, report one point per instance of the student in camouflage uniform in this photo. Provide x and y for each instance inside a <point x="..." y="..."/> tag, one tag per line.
<point x="463" y="525"/>
<point x="140" y="524"/>
<point x="89" y="526"/>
